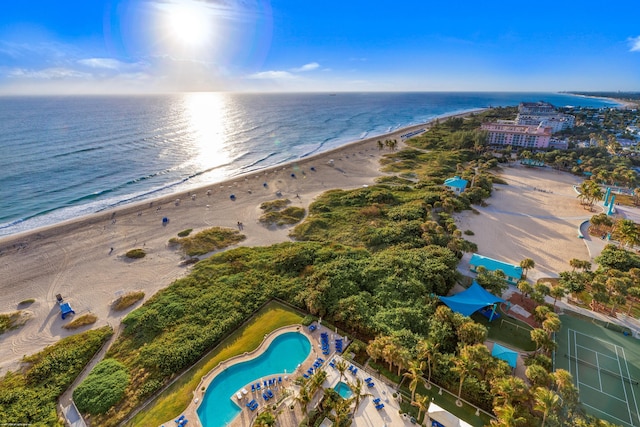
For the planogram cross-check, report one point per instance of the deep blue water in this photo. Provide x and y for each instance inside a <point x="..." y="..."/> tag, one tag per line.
<point x="62" y="157"/>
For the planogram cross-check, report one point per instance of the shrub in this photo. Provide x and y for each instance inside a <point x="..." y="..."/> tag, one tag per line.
<point x="78" y="322"/>
<point x="287" y="216"/>
<point x="185" y="233"/>
<point x="26" y="302"/>
<point x="103" y="388"/>
<point x="210" y="240"/>
<point x="136" y="253"/>
<point x="127" y="300"/>
<point x="275" y="205"/>
<point x="469" y="232"/>
<point x="12" y="320"/>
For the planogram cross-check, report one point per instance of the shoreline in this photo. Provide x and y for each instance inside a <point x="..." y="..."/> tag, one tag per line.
<point x="75" y="258"/>
<point x="127" y="208"/>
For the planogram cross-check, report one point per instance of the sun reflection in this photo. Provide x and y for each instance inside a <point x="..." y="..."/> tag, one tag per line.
<point x="205" y="112"/>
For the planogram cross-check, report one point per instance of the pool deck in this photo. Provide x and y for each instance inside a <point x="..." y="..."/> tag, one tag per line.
<point x="366" y="416"/>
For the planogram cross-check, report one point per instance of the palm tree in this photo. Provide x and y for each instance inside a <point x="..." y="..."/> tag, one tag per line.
<point x="508" y="390"/>
<point x="545" y="401"/>
<point x="507" y="417"/>
<point x="557" y="292"/>
<point x="428" y="349"/>
<point x="342" y="407"/>
<point x="464" y="365"/>
<point x="341" y="366"/>
<point x="526" y="264"/>
<point x="626" y="232"/>
<point x="422" y="403"/>
<point x="358" y="393"/>
<point x="303" y="397"/>
<point x="414" y="373"/>
<point x="525" y="288"/>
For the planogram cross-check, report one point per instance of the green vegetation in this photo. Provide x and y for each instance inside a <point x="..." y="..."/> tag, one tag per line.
<point x="185" y="233"/>
<point x="127" y="300"/>
<point x="136" y="253"/>
<point x="275" y="205"/>
<point x="26" y="302"/>
<point x="29" y="396"/>
<point x="84" y="320"/>
<point x="208" y="240"/>
<point x="287" y="216"/>
<point x="278" y="212"/>
<point x="103" y="388"/>
<point x="12" y="320"/>
<point x="175" y="399"/>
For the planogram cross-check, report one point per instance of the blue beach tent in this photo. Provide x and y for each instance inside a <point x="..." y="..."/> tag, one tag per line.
<point x="505" y="354"/>
<point x="471" y="300"/>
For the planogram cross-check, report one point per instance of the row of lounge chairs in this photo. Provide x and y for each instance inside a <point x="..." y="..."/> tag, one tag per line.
<point x="324" y="341"/>
<point x="267" y="395"/>
<point x="319" y="361"/>
<point x="253" y="405"/>
<point x="353" y="369"/>
<point x="369" y="382"/>
<point x="272" y="382"/>
<point x="339" y="345"/>
<point x="379" y="405"/>
<point x="181" y="421"/>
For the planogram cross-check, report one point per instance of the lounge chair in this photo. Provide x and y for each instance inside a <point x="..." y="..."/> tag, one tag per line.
<point x="371" y="384"/>
<point x="258" y="386"/>
<point x="354" y="371"/>
<point x="253" y="388"/>
<point x="366" y="380"/>
<point x="279" y="379"/>
<point x="251" y="403"/>
<point x="305" y="375"/>
<point x="265" y="396"/>
<point x="376" y="400"/>
<point x="270" y="394"/>
<point x="183" y="422"/>
<point x="178" y="420"/>
<point x="380" y="406"/>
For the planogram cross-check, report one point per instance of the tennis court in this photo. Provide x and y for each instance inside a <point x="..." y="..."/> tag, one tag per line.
<point x="603" y="364"/>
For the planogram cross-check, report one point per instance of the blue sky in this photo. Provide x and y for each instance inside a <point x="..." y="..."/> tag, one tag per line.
<point x="139" y="46"/>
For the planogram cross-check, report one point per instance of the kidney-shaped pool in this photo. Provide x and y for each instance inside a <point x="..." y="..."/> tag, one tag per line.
<point x="284" y="354"/>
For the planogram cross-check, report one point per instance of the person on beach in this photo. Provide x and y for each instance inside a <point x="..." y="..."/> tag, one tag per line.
<point x="111" y="251"/>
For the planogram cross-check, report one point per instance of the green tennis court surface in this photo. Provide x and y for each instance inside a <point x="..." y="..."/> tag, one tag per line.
<point x="605" y="368"/>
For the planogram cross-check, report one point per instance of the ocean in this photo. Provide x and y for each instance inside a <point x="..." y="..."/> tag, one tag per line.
<point x="62" y="157"/>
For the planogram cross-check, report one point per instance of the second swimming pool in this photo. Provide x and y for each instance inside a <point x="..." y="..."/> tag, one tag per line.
<point x="284" y="353"/>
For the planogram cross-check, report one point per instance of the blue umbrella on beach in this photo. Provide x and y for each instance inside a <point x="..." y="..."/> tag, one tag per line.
<point x="232" y="197"/>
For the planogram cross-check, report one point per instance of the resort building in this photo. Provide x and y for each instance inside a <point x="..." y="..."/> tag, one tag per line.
<point x="543" y="114"/>
<point x="456" y="184"/>
<point x="527" y="136"/>
<point x="513" y="272"/>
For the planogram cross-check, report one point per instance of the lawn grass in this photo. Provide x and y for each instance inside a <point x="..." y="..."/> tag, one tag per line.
<point x="507" y="330"/>
<point x="448" y="402"/>
<point x="170" y="403"/>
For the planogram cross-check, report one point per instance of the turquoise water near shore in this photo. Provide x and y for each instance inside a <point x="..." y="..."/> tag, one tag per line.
<point x="63" y="157"/>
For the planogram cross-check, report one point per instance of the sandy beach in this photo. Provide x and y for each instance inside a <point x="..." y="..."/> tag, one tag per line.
<point x="74" y="258"/>
<point x="537" y="215"/>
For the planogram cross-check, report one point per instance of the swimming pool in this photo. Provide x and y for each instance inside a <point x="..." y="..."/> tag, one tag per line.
<point x="284" y="353"/>
<point x="343" y="390"/>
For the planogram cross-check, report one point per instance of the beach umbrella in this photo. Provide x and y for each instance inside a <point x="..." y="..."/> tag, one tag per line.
<point x="293" y="175"/>
<point x="264" y="185"/>
<point x="165" y="220"/>
<point x="232" y="197"/>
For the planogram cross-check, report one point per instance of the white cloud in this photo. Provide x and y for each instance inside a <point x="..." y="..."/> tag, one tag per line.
<point x="635" y="44"/>
<point x="306" y="67"/>
<point x="272" y="75"/>
<point x="108" y="63"/>
<point x="48" y="74"/>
